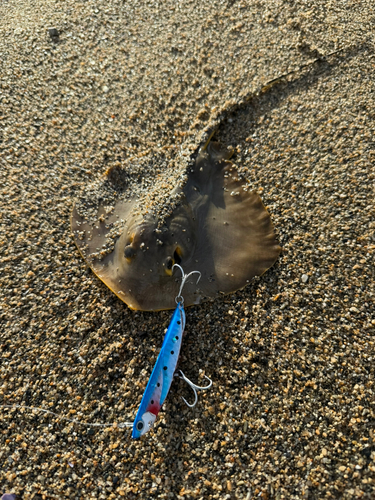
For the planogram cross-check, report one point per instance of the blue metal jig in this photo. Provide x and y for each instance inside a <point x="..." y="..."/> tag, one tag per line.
<point x="164" y="370"/>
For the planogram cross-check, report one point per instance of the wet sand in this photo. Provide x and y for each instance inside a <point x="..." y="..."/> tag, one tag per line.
<point x="291" y="356"/>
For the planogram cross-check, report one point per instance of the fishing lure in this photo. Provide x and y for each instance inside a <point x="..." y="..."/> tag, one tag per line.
<point x="165" y="367"/>
<point x="160" y="380"/>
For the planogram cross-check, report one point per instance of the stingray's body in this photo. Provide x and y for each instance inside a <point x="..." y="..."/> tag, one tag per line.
<point x="219" y="228"/>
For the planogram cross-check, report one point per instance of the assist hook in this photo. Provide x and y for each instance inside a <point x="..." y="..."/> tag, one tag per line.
<point x="193" y="386"/>
<point x="179" y="297"/>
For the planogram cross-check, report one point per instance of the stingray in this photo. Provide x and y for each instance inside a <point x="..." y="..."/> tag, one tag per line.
<point x="219" y="227"/>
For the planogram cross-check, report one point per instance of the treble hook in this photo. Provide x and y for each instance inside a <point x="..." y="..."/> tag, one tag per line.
<point x="194" y="387"/>
<point x="179" y="297"/>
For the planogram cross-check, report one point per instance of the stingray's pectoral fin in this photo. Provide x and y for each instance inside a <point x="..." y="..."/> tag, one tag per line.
<point x="235" y="238"/>
<point x="89" y="236"/>
<point x="95" y="238"/>
<point x="95" y="235"/>
<point x="126" y="265"/>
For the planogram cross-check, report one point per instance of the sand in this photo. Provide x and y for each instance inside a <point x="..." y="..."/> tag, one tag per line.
<point x="291" y="411"/>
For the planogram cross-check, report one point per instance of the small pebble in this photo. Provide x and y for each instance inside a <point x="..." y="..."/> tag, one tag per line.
<point x="53" y="33"/>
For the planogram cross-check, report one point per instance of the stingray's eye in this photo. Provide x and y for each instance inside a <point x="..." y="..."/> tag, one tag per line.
<point x="168" y="264"/>
<point x="139" y="425"/>
<point x="129" y="252"/>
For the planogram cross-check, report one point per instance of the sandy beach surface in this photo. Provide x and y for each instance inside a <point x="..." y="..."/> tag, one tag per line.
<point x="133" y="83"/>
